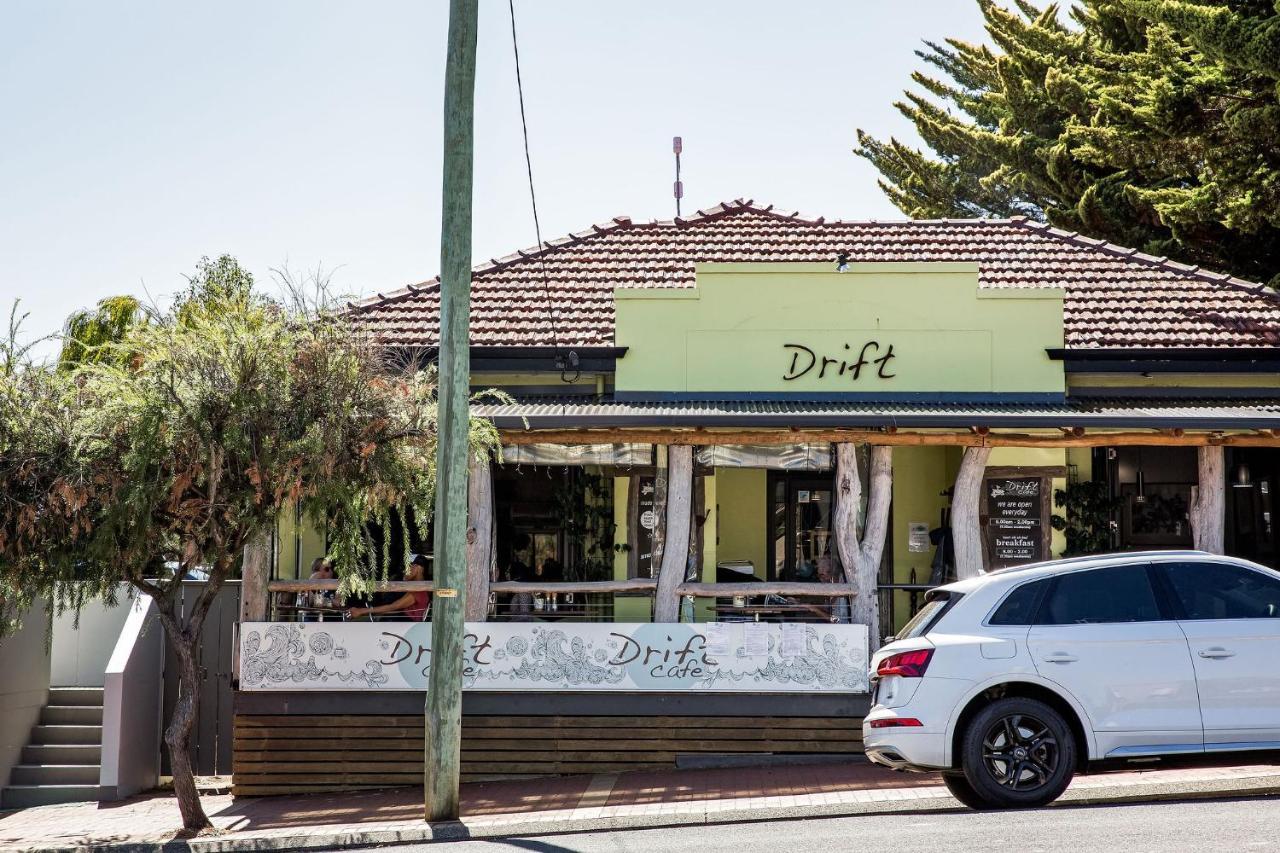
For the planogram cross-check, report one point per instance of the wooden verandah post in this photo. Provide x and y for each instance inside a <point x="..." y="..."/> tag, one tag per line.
<point x="479" y="537"/>
<point x="675" y="551"/>
<point x="1209" y="507"/>
<point x="966" y="505"/>
<point x="860" y="551"/>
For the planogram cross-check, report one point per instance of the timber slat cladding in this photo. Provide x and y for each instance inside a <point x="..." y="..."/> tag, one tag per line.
<point x="299" y="753"/>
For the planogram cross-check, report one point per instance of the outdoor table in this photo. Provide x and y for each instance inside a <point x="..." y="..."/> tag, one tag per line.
<point x="319" y="614"/>
<point x="753" y="612"/>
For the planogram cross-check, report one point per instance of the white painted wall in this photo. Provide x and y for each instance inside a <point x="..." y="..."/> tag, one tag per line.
<point x="80" y="653"/>
<point x="131" y="705"/>
<point x="24" y="687"/>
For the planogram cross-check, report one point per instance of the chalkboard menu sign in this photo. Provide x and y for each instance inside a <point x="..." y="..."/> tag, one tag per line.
<point x="646" y="522"/>
<point x="1016" y="510"/>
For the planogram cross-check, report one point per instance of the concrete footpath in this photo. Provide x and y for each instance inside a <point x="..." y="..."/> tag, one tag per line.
<point x="572" y="804"/>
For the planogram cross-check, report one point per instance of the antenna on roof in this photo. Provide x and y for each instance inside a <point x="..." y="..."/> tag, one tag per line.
<point x="676" y="144"/>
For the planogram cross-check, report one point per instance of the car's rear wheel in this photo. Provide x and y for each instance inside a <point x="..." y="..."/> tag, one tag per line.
<point x="1018" y="753"/>
<point x="960" y="788"/>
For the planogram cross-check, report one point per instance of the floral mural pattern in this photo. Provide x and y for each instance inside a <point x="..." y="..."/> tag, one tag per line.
<point x="515" y="656"/>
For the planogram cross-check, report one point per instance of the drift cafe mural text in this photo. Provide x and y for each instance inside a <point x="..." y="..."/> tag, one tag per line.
<point x="710" y="657"/>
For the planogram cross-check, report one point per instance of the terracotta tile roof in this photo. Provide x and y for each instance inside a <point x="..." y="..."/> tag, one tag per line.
<point x="1115" y="297"/>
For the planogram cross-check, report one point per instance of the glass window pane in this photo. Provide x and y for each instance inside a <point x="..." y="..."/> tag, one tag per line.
<point x="1120" y="594"/>
<point x="925" y="616"/>
<point x="1222" y="591"/>
<point x="1019" y="607"/>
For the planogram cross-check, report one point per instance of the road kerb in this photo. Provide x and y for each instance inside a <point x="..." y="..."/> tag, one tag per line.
<point x="695" y="813"/>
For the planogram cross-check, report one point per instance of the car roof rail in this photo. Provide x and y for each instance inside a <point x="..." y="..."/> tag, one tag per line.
<point x="1067" y="562"/>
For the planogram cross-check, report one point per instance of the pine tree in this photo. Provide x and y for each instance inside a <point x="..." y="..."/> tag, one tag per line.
<point x="1150" y="123"/>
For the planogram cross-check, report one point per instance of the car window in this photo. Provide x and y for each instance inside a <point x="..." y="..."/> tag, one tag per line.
<point x="925" y="616"/>
<point x="1097" y="596"/>
<point x="1223" y="591"/>
<point x="1019" y="607"/>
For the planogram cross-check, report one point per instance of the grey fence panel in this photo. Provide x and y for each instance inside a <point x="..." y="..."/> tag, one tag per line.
<point x="211" y="738"/>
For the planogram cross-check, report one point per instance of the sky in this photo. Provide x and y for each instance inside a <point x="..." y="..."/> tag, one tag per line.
<point x="137" y="137"/>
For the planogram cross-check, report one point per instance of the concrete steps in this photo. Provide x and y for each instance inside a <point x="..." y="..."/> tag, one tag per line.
<point x="62" y="760"/>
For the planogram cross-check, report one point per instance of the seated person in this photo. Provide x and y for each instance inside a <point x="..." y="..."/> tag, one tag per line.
<point x="550" y="570"/>
<point x="321" y="570"/>
<point x="520" y="604"/>
<point x="413" y="606"/>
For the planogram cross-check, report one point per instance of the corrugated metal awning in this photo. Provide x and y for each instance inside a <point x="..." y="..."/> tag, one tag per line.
<point x="1094" y="412"/>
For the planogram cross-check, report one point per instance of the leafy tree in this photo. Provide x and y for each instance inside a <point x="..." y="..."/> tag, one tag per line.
<point x="88" y="336"/>
<point x="227" y="409"/>
<point x="1150" y="123"/>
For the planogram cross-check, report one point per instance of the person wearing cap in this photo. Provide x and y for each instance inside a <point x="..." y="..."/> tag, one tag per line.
<point x="413" y="605"/>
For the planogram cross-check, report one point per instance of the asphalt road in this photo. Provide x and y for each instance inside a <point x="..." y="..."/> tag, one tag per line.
<point x="1195" y="825"/>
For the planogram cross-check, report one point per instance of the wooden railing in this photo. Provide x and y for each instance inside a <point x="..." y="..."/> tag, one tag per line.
<point x="641" y="585"/>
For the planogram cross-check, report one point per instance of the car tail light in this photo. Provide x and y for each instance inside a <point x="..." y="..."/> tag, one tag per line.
<point x="896" y="723"/>
<point x="906" y="664"/>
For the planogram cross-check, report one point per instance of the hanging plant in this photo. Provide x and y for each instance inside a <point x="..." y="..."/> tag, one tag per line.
<point x="1089" y="508"/>
<point x="584" y="502"/>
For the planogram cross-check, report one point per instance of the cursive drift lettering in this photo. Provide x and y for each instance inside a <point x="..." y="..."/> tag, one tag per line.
<point x="473" y="655"/>
<point x="804" y="361"/>
<point x="683" y="662"/>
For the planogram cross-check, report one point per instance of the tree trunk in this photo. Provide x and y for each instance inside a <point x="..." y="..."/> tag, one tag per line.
<point x="479" y="538"/>
<point x="177" y="736"/>
<point x="675" y="553"/>
<point x="861" y="550"/>
<point x="1208" y="509"/>
<point x="966" y="504"/>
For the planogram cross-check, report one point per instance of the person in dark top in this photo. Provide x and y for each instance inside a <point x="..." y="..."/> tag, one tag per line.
<point x="413" y="606"/>
<point x="551" y="570"/>
<point x="520" y="605"/>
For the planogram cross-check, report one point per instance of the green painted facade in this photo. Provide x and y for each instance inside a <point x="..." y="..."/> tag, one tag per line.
<point x="775" y="329"/>
<point x="881" y="328"/>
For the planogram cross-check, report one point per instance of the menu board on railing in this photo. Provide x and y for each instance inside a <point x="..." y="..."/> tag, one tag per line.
<point x="646" y="522"/>
<point x="1016" y="509"/>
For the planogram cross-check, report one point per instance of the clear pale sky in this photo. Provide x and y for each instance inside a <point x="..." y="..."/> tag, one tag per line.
<point x="137" y="136"/>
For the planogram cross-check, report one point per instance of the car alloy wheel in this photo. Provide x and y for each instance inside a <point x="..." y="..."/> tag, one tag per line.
<point x="1017" y="752"/>
<point x="1020" y="752"/>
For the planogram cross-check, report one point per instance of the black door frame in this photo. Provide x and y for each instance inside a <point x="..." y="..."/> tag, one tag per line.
<point x="794" y="481"/>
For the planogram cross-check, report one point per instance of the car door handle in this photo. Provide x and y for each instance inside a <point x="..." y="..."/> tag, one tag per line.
<point x="1060" y="657"/>
<point x="1216" y="652"/>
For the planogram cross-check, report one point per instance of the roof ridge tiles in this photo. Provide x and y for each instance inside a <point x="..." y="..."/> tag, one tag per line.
<point x="660" y="253"/>
<point x="1132" y="254"/>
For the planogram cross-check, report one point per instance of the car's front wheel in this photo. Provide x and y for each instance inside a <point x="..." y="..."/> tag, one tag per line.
<point x="1017" y="753"/>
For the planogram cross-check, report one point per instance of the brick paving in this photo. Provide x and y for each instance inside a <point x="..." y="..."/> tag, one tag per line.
<point x="688" y="795"/>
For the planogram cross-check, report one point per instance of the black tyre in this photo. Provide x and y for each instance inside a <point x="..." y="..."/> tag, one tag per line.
<point x="1018" y="753"/>
<point x="960" y="788"/>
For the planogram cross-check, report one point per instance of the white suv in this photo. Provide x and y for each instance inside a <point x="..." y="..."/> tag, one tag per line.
<point x="1010" y="682"/>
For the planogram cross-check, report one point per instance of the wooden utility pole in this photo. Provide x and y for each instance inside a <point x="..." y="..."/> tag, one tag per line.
<point x="444" y="690"/>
